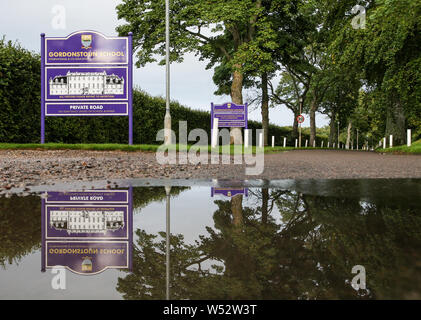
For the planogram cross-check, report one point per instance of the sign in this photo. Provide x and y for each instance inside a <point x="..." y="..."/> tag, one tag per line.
<point x="87" y="258"/>
<point x="86" y="74"/>
<point x="87" y="47"/>
<point x="230" y="115"/>
<point x="87" y="231"/>
<point x="229" y="192"/>
<point x="300" y="119"/>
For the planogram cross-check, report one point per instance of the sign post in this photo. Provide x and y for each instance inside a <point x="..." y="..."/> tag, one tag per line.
<point x="86" y="74"/>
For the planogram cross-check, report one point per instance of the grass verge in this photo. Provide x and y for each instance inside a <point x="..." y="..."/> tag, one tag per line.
<point x="414" y="149"/>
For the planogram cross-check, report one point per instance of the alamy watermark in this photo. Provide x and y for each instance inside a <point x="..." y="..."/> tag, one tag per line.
<point x="359" y="21"/>
<point x="59" y="17"/>
<point x="199" y="152"/>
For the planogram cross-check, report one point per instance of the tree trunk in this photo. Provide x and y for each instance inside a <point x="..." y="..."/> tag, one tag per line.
<point x="295" y="126"/>
<point x="348" y="135"/>
<point x="237" y="98"/>
<point x="313" y="109"/>
<point x="395" y="122"/>
<point x="265" y="108"/>
<point x="265" y="201"/>
<point x="237" y="210"/>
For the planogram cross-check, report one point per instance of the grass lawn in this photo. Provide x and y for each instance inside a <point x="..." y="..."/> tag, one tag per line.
<point x="414" y="149"/>
<point x="124" y="147"/>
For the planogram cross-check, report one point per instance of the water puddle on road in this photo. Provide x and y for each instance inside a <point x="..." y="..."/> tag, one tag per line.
<point x="314" y="239"/>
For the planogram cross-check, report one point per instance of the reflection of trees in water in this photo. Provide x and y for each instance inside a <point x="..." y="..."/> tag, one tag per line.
<point x="20" y="221"/>
<point x="303" y="250"/>
<point x="20" y="228"/>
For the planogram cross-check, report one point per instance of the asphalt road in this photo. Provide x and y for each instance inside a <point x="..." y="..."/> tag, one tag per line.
<point x="24" y="168"/>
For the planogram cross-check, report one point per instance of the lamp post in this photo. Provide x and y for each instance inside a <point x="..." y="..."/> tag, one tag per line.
<point x="167" y="118"/>
<point x="338" y="132"/>
<point x="168" y="234"/>
<point x="301" y="110"/>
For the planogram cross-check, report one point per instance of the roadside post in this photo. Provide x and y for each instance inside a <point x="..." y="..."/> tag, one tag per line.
<point x="246" y="138"/>
<point x="273" y="141"/>
<point x="384" y="143"/>
<point x="215" y="132"/>
<point x="285" y="142"/>
<point x="408" y="138"/>
<point x="391" y="141"/>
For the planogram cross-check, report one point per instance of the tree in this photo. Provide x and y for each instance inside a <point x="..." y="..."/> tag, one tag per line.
<point x="387" y="53"/>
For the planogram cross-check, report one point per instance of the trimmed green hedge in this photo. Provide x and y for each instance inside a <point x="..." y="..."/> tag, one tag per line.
<point x="20" y="111"/>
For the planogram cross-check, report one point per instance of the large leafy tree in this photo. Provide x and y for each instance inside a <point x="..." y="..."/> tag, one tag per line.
<point x="241" y="36"/>
<point x="387" y="53"/>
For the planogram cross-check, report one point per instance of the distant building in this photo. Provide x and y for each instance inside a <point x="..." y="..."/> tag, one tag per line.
<point x="86" y="221"/>
<point x="86" y="83"/>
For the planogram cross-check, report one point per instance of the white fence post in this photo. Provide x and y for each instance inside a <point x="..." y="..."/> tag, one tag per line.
<point x="273" y="141"/>
<point x="261" y="139"/>
<point x="215" y="132"/>
<point x="296" y="143"/>
<point x="408" y="138"/>
<point x="306" y="143"/>
<point x="246" y="138"/>
<point x="391" y="141"/>
<point x="334" y="145"/>
<point x="328" y="144"/>
<point x="322" y="143"/>
<point x="384" y="143"/>
<point x="285" y="142"/>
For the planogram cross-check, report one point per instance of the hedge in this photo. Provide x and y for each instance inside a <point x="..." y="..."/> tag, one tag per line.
<point x="20" y="111"/>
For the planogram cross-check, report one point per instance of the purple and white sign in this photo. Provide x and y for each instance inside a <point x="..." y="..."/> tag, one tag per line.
<point x="229" y="192"/>
<point x="86" y="74"/>
<point x="86" y="84"/>
<point x="87" y="257"/>
<point x="87" y="231"/>
<point x="86" y="109"/>
<point x="94" y="196"/>
<point x="230" y="115"/>
<point x="86" y="47"/>
<point x="85" y="222"/>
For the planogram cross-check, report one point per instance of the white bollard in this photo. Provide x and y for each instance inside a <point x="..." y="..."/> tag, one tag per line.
<point x="296" y="143"/>
<point x="391" y="141"/>
<point x="322" y="143"/>
<point x="306" y="143"/>
<point x="384" y="143"/>
<point x="408" y="138"/>
<point x="246" y="138"/>
<point x="328" y="144"/>
<point x="314" y="143"/>
<point x="215" y="132"/>
<point x="261" y="139"/>
<point x="285" y="142"/>
<point x="273" y="142"/>
<point x="334" y="145"/>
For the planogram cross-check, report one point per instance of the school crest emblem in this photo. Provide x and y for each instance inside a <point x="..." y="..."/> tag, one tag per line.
<point x="86" y="41"/>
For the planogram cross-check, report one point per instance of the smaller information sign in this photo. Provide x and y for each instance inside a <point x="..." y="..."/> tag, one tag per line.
<point x="229" y="115"/>
<point x="229" y="192"/>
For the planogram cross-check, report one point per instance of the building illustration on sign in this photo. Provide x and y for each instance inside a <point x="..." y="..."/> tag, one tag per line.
<point x="86" y="221"/>
<point x="86" y="83"/>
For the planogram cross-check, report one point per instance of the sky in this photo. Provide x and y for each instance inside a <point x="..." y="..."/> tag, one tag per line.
<point x="191" y="83"/>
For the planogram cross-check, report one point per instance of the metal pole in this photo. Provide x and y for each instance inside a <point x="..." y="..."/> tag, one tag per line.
<point x="167" y="119"/>
<point x="301" y="110"/>
<point x="338" y="132"/>
<point x="168" y="190"/>
<point x="130" y="49"/>
<point x="42" y="88"/>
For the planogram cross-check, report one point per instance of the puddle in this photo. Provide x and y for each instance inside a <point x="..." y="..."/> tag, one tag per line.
<point x="280" y="239"/>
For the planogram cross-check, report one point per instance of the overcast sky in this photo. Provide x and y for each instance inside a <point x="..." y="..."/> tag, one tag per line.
<point x="191" y="83"/>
